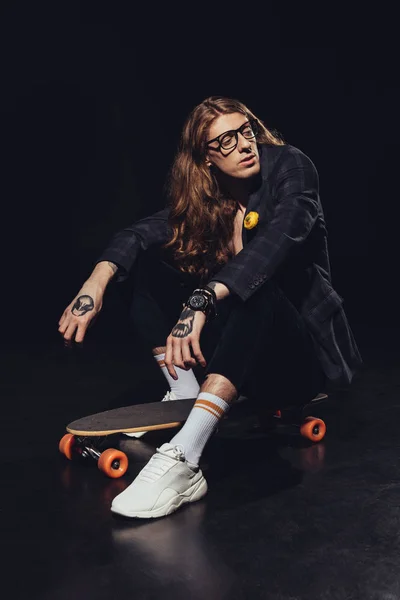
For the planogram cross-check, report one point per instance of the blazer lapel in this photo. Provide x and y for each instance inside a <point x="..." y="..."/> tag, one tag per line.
<point x="258" y="200"/>
<point x="255" y="201"/>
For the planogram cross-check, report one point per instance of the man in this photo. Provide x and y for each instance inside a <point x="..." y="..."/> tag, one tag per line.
<point x="244" y="232"/>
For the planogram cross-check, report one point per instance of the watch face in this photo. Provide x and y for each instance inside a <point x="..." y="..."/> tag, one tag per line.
<point x="197" y="302"/>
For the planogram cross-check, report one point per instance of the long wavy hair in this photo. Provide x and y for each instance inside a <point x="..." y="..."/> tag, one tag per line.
<point x="202" y="214"/>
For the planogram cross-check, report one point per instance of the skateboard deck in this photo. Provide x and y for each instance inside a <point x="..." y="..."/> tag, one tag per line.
<point x="132" y="419"/>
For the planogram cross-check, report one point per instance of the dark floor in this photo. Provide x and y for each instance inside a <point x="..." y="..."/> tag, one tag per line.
<point x="282" y="519"/>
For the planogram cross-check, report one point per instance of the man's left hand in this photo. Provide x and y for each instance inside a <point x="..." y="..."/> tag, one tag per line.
<point x="183" y="343"/>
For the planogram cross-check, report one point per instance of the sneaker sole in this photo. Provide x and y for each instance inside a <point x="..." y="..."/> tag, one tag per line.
<point x="137" y="434"/>
<point x="196" y="492"/>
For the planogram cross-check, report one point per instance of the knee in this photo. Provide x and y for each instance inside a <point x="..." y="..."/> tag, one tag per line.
<point x="220" y="386"/>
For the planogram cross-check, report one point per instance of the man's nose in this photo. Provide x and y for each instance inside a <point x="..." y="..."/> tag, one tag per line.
<point x="243" y="143"/>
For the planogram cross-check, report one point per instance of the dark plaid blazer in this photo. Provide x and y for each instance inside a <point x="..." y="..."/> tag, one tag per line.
<point x="288" y="244"/>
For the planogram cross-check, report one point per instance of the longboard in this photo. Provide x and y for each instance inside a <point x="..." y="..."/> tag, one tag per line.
<point x="80" y="440"/>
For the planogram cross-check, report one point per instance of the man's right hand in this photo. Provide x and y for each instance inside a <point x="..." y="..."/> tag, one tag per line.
<point x="86" y="305"/>
<point x="78" y="315"/>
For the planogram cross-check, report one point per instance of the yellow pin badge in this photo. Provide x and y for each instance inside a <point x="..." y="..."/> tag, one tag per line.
<point x="251" y="220"/>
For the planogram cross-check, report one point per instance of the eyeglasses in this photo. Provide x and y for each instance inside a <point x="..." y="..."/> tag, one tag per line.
<point x="230" y="139"/>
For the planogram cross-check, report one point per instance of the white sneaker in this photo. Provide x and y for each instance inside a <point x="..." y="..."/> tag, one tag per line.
<point x="162" y="486"/>
<point x="168" y="396"/>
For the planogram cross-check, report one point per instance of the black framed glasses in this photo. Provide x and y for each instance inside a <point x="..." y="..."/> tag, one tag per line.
<point x="229" y="139"/>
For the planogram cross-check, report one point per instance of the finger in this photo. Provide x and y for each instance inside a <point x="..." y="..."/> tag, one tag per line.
<point x="64" y="326"/>
<point x="177" y="353"/>
<point x="66" y="319"/>
<point x="198" y="353"/>
<point x="168" y="359"/>
<point x="80" y="332"/>
<point x="69" y="334"/>
<point x="187" y="357"/>
<point x="64" y="316"/>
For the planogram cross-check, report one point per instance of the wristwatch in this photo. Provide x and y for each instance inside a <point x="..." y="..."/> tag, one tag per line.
<point x="203" y="299"/>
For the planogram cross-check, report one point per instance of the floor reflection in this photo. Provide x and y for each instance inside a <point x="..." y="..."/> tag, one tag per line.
<point x="173" y="551"/>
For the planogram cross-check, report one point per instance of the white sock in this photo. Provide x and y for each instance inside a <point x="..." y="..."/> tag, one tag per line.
<point x="200" y="425"/>
<point x="185" y="386"/>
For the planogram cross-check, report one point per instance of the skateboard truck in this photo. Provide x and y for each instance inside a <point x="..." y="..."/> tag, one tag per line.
<point x="311" y="428"/>
<point x="112" y="462"/>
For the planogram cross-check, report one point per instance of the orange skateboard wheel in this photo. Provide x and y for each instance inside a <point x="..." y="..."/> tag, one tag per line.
<point x="313" y="429"/>
<point x="113" y="463"/>
<point x="66" y="445"/>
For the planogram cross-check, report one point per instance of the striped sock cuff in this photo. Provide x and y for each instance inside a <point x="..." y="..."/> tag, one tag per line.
<point x="212" y="404"/>
<point x="160" y="358"/>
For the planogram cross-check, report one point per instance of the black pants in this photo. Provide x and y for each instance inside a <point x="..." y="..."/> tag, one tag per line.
<point x="262" y="345"/>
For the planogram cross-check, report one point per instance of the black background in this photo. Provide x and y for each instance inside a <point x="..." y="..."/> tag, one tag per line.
<point x="93" y="99"/>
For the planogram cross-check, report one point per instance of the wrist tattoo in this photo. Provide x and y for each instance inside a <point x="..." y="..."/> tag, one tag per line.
<point x="82" y="305"/>
<point x="185" y="324"/>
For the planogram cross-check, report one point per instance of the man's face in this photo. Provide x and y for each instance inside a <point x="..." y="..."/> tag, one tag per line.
<point x="241" y="162"/>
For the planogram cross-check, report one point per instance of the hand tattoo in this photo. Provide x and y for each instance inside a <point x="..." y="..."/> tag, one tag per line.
<point x="82" y="305"/>
<point x="185" y="324"/>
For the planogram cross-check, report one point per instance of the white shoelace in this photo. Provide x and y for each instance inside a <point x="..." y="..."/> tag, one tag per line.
<point x="160" y="463"/>
<point x="167" y="397"/>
